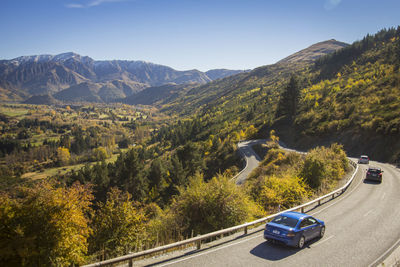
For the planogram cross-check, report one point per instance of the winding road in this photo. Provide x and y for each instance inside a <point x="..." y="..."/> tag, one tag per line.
<point x="251" y="158"/>
<point x="363" y="227"/>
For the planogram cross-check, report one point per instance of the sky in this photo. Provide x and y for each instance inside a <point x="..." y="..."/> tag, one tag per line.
<point x="187" y="34"/>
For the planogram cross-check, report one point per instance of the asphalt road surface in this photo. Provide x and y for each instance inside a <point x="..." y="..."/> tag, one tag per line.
<point x="251" y="158"/>
<point x="362" y="228"/>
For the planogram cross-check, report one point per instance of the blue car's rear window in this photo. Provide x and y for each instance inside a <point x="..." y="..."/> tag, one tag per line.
<point x="284" y="220"/>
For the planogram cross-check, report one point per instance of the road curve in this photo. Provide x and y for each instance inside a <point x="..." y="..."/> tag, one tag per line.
<point x="363" y="226"/>
<point x="251" y="158"/>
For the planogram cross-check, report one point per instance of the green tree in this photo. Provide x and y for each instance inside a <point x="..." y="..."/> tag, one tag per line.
<point x="99" y="154"/>
<point x="191" y="157"/>
<point x="157" y="180"/>
<point x="289" y="99"/>
<point x="128" y="174"/>
<point x="176" y="176"/>
<point x="117" y="225"/>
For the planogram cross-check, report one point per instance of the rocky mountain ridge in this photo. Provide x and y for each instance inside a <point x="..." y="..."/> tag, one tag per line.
<point x="27" y="76"/>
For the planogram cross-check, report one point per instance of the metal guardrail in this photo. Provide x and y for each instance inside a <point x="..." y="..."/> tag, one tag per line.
<point x="197" y="240"/>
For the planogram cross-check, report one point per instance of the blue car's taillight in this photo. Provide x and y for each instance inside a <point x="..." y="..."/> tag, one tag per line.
<point x="290" y="234"/>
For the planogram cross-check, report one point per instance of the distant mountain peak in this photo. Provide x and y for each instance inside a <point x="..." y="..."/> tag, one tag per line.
<point x="43" y="58"/>
<point x="315" y="51"/>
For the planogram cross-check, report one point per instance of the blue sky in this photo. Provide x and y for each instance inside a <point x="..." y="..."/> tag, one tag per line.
<point x="187" y="34"/>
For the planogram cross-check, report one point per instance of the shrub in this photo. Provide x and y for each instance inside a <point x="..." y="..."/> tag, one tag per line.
<point x="283" y="192"/>
<point x="209" y="206"/>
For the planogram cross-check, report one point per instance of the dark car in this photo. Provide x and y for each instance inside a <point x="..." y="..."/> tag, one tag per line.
<point x="294" y="229"/>
<point x="374" y="174"/>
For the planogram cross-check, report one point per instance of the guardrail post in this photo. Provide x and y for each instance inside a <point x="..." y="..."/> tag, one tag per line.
<point x="245" y="230"/>
<point x="319" y="202"/>
<point x="198" y="243"/>
<point x="333" y="196"/>
<point x="130" y="263"/>
<point x="302" y="210"/>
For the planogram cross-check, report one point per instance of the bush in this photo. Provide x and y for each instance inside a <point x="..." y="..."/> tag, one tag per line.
<point x="323" y="167"/>
<point x="313" y="170"/>
<point x="209" y="206"/>
<point x="273" y="193"/>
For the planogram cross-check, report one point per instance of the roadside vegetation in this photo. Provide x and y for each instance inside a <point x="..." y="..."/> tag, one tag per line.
<point x="285" y="179"/>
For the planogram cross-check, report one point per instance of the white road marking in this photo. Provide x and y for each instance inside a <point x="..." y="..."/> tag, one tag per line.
<point x="366" y="214"/>
<point x="321" y="242"/>
<point x="380" y="259"/>
<point x="383" y="196"/>
<point x="207" y="252"/>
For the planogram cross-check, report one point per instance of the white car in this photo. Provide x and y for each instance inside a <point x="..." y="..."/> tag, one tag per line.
<point x="363" y="159"/>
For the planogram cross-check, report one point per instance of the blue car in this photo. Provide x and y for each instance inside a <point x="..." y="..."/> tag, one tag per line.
<point x="294" y="229"/>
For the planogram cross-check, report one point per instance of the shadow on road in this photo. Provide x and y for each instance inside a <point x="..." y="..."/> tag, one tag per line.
<point x="275" y="252"/>
<point x="371" y="182"/>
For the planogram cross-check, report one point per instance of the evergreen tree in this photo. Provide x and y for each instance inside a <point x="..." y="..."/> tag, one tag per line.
<point x="156" y="177"/>
<point x="289" y="99"/>
<point x="176" y="176"/>
<point x="129" y="175"/>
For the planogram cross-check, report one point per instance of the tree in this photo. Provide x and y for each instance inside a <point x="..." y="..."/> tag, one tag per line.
<point x="176" y="176"/>
<point x="99" y="154"/>
<point x="156" y="177"/>
<point x="289" y="99"/>
<point x="191" y="158"/>
<point x="117" y="225"/>
<point x="45" y="226"/>
<point x="128" y="174"/>
<point x="65" y="141"/>
<point x="63" y="155"/>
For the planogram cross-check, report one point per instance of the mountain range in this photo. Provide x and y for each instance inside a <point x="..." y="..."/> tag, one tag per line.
<point x="72" y="77"/>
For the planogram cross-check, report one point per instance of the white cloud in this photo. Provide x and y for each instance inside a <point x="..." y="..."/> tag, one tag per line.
<point x="331" y="4"/>
<point x="99" y="2"/>
<point x="92" y="3"/>
<point x="74" y="6"/>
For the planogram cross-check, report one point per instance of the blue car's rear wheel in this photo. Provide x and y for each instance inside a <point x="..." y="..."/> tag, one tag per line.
<point x="322" y="231"/>
<point x="302" y="240"/>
